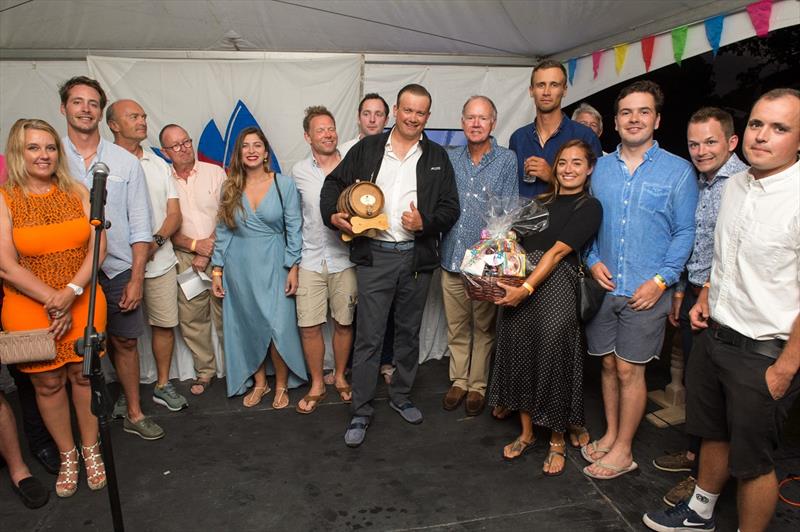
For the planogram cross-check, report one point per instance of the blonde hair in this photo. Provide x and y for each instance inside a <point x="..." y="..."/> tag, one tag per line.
<point x="233" y="187"/>
<point x="15" y="160"/>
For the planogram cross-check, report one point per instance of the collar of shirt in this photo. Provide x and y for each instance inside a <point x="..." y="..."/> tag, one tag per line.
<point x="317" y="165"/>
<point x="192" y="172"/>
<point x="732" y="166"/>
<point x="414" y="148"/>
<point x="555" y="133"/>
<point x="774" y="181"/>
<point x="649" y="155"/>
<point x="463" y="153"/>
<point x="98" y="156"/>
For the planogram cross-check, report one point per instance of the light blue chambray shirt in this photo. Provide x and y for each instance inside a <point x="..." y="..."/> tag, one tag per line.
<point x="497" y="174"/>
<point x="698" y="268"/>
<point x="127" y="201"/>
<point x="648" y="218"/>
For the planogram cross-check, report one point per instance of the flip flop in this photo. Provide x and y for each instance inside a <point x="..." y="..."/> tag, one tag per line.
<point x="549" y="460"/>
<point x="206" y="384"/>
<point x="519" y="446"/>
<point x="586" y="452"/>
<point x="341" y="390"/>
<point x="575" y="434"/>
<point x="317" y="399"/>
<point x="618" y="471"/>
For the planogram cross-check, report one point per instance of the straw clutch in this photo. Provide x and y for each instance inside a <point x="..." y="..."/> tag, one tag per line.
<point x="36" y="345"/>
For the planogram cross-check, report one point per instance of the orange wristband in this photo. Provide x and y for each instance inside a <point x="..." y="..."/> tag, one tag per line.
<point x="527" y="286"/>
<point x="193" y="246"/>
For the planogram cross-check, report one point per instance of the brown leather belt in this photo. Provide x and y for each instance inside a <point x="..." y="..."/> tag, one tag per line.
<point x="726" y="335"/>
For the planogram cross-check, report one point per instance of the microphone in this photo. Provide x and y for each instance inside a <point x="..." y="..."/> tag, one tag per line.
<point x="98" y="195"/>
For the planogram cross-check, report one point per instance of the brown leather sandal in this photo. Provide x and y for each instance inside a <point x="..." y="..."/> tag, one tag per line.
<point x="315" y="399"/>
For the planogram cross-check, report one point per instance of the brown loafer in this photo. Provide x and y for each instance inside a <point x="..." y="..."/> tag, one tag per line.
<point x="475" y="404"/>
<point x="453" y="398"/>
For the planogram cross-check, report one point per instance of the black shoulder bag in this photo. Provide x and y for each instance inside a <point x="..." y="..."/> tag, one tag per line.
<point x="590" y="293"/>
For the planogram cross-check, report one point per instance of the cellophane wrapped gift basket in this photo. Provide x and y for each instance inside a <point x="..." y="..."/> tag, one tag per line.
<point x="498" y="255"/>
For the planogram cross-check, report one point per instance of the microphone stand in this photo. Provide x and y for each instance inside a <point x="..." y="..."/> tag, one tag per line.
<point x="90" y="347"/>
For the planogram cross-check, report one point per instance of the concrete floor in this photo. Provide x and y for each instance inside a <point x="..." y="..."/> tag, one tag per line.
<point x="223" y="467"/>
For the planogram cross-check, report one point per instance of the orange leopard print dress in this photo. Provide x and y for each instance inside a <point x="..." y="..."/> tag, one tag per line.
<point x="51" y="235"/>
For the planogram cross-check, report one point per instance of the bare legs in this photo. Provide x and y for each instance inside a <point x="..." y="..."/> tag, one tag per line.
<point x="624" y="401"/>
<point x="9" y="443"/>
<point x="125" y="356"/>
<point x="163" y="344"/>
<point x="314" y="349"/>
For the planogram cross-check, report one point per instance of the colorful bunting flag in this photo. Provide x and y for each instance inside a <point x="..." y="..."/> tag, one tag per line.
<point x="647" y="50"/>
<point x="759" y="15"/>
<point x="620" y="52"/>
<point x="679" y="42"/>
<point x="571" y="65"/>
<point x="714" y="32"/>
<point x="596" y="56"/>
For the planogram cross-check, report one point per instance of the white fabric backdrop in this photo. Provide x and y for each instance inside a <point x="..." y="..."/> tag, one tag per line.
<point x="276" y="91"/>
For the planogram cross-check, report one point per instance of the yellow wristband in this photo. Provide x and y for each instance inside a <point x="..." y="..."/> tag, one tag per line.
<point x="527" y="286"/>
<point x="662" y="284"/>
<point x="216" y="273"/>
<point x="706" y="284"/>
<point x="678" y="295"/>
<point x="193" y="246"/>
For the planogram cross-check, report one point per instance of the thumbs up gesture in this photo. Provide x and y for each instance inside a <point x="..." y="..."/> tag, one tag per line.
<point x="412" y="220"/>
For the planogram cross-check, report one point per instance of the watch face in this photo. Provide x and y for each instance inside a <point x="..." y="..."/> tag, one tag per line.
<point x="159" y="240"/>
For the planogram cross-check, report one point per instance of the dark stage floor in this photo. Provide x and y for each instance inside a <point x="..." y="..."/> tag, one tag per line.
<point x="222" y="467"/>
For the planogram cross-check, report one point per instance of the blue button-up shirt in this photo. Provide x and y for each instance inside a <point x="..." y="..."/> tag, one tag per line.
<point x="127" y="201"/>
<point x="705" y="219"/>
<point x="496" y="174"/>
<point x="525" y="143"/>
<point x="648" y="218"/>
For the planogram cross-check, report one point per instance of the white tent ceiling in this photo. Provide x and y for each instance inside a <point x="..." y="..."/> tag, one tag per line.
<point x="506" y="30"/>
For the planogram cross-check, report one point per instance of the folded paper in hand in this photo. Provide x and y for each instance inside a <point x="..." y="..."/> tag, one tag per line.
<point x="193" y="283"/>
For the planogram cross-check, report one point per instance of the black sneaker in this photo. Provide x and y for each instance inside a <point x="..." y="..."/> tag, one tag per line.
<point x="678" y="519"/>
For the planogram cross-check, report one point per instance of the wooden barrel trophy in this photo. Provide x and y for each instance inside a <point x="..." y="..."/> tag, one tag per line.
<point x="363" y="201"/>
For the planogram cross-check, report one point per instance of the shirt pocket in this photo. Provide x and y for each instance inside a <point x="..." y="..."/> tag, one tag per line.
<point x="771" y="249"/>
<point x="654" y="198"/>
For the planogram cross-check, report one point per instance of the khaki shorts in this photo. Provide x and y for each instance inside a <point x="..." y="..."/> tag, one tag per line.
<point x="315" y="290"/>
<point x="161" y="299"/>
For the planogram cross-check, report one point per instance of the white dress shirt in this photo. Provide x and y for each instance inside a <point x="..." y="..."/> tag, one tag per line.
<point x="345" y="147"/>
<point x="321" y="246"/>
<point x="397" y="180"/>
<point x="755" y="274"/>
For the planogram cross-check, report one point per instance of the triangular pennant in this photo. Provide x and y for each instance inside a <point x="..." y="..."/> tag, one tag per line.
<point x="759" y="15"/>
<point x="596" y="62"/>
<point x="571" y="65"/>
<point x="679" y="42"/>
<point x="714" y="32"/>
<point x="647" y="50"/>
<point x="619" y="57"/>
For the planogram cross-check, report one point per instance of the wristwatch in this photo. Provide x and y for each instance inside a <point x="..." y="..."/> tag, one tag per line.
<point x="159" y="239"/>
<point x="75" y="288"/>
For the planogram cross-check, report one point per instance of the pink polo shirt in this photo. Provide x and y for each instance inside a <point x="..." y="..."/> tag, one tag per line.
<point x="199" y="196"/>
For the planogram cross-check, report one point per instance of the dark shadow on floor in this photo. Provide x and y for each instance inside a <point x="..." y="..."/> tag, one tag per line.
<point x="224" y="467"/>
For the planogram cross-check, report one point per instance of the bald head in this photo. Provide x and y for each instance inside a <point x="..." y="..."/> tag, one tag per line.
<point x="127" y="121"/>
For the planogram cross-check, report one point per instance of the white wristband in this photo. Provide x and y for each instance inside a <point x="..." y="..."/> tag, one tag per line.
<point x="75" y="288"/>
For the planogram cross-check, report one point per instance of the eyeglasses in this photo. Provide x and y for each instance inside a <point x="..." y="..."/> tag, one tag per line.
<point x="186" y="144"/>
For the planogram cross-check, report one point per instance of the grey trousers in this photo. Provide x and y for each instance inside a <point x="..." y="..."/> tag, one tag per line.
<point x="389" y="279"/>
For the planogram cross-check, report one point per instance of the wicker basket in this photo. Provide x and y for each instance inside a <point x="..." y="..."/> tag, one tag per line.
<point x="486" y="289"/>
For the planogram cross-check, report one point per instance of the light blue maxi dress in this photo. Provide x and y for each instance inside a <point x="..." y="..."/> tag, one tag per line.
<point x="256" y="262"/>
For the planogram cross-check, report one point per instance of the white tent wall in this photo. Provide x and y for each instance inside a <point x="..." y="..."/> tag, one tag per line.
<point x="28" y="88"/>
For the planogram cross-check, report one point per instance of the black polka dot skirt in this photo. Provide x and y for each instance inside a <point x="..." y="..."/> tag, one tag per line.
<point x="538" y="363"/>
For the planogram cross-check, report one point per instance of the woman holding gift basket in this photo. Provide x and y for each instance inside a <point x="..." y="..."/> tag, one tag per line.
<point x="539" y="356"/>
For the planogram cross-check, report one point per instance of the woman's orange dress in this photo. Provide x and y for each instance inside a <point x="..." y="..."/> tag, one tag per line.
<point x="51" y="235"/>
